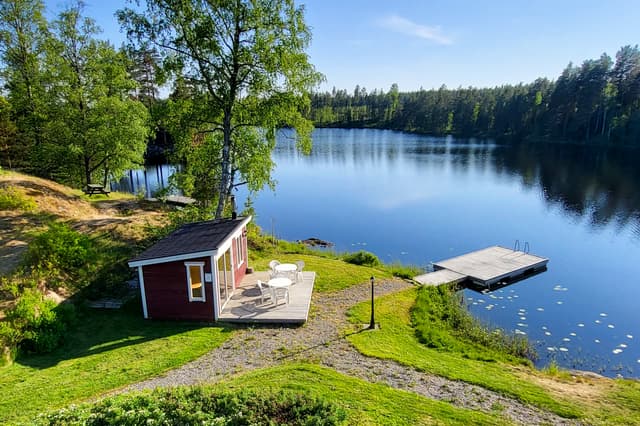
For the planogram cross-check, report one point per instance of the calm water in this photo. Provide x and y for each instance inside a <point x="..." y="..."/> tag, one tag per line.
<point x="149" y="180"/>
<point x="418" y="199"/>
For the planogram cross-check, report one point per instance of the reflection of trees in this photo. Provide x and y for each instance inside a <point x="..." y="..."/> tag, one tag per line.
<point x="601" y="183"/>
<point x="586" y="181"/>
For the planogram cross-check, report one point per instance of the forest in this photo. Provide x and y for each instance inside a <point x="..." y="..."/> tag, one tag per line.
<point x="597" y="102"/>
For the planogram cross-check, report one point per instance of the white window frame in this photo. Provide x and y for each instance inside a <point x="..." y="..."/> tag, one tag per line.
<point x="189" y="289"/>
<point x="239" y="251"/>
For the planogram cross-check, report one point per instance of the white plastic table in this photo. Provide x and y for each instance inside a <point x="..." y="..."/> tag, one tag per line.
<point x="287" y="269"/>
<point x="276" y="283"/>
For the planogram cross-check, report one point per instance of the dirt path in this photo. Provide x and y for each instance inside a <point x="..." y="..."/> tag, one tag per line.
<point x="320" y="341"/>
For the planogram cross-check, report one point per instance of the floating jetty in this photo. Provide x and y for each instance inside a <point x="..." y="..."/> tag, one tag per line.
<point x="485" y="267"/>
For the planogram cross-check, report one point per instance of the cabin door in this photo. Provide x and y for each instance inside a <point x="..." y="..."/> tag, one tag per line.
<point x="225" y="279"/>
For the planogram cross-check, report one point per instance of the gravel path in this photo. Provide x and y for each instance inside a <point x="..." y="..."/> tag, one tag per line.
<point x="320" y="341"/>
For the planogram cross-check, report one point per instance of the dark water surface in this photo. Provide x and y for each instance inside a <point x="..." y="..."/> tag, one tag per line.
<point x="418" y="199"/>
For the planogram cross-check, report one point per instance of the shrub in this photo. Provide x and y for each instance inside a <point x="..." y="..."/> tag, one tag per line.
<point x="61" y="249"/>
<point x="12" y="198"/>
<point x="35" y="323"/>
<point x="362" y="258"/>
<point x="197" y="405"/>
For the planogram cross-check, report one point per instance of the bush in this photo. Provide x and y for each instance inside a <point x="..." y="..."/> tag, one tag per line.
<point x="61" y="249"/>
<point x="35" y="323"/>
<point x="362" y="258"/>
<point x="197" y="405"/>
<point x="12" y="198"/>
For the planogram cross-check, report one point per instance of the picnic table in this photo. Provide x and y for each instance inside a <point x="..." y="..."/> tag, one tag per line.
<point x="94" y="188"/>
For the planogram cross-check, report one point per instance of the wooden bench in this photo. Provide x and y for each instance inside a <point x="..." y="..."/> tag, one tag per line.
<point x="93" y="188"/>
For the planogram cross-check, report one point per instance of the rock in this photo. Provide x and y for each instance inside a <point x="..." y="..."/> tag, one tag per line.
<point x="316" y="242"/>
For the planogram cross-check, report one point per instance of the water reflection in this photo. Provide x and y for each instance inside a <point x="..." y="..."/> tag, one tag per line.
<point x="594" y="182"/>
<point x="597" y="183"/>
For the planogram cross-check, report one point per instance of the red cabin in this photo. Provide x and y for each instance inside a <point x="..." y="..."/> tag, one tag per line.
<point x="192" y="273"/>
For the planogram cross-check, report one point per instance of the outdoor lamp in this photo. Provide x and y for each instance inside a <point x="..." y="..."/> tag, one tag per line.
<point x="372" y="324"/>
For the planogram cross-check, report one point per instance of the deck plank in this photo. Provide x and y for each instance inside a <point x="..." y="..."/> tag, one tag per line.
<point x="490" y="265"/>
<point x="442" y="276"/>
<point x="245" y="305"/>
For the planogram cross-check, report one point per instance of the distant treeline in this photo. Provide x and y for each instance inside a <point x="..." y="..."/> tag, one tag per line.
<point x="597" y="102"/>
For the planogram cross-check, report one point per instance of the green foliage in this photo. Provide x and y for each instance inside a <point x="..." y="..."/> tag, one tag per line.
<point x="596" y="102"/>
<point x="365" y="403"/>
<point x="199" y="406"/>
<point x="240" y="72"/>
<point x="12" y="198"/>
<point x="442" y="321"/>
<point x="406" y="272"/>
<point x="62" y="250"/>
<point x="362" y="258"/>
<point x="70" y="95"/>
<point x="36" y="324"/>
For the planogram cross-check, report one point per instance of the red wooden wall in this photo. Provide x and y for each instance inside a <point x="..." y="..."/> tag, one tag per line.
<point x="165" y="286"/>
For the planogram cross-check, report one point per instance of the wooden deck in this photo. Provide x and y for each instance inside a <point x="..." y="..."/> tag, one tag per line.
<point x="484" y="267"/>
<point x="442" y="276"/>
<point x="245" y="305"/>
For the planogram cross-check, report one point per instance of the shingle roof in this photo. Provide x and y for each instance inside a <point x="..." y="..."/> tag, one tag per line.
<point x="191" y="238"/>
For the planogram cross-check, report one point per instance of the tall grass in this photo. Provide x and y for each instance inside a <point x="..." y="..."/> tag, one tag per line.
<point x="442" y="321"/>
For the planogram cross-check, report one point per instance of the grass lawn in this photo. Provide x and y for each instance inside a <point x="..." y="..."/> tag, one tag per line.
<point x="365" y="403"/>
<point x="107" y="350"/>
<point x="599" y="401"/>
<point x="332" y="274"/>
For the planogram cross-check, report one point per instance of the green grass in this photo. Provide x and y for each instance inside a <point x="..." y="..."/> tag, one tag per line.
<point x="107" y="350"/>
<point x="621" y="405"/>
<point x="397" y="340"/>
<point x="442" y="321"/>
<point x="365" y="403"/>
<point x="332" y="274"/>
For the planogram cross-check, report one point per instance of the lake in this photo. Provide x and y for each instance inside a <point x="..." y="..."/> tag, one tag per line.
<point x="419" y="199"/>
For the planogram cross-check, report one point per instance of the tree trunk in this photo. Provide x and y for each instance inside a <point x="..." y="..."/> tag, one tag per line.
<point x="224" y="188"/>
<point x="225" y="166"/>
<point x="87" y="169"/>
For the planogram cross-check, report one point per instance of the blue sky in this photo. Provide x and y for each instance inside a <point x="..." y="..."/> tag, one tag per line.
<point x="427" y="43"/>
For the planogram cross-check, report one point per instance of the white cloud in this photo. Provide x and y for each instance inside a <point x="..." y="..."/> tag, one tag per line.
<point x="405" y="26"/>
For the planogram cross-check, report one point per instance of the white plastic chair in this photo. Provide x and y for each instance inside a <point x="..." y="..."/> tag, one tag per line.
<point x="273" y="264"/>
<point x="299" y="276"/>
<point x="284" y="291"/>
<point x="264" y="291"/>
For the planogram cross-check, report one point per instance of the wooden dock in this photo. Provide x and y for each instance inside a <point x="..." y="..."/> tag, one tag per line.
<point x="176" y="200"/>
<point x="484" y="267"/>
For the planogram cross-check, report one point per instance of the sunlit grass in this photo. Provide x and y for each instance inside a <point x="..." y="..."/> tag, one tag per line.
<point x="107" y="350"/>
<point x="397" y="340"/>
<point x="331" y="274"/>
<point x="365" y="403"/>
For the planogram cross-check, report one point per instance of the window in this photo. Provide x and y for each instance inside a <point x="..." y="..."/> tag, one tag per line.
<point x="239" y="250"/>
<point x="195" y="281"/>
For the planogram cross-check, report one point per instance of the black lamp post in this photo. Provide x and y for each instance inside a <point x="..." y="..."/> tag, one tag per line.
<point x="372" y="324"/>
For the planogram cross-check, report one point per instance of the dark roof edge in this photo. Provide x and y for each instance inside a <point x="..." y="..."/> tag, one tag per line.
<point x="155" y="260"/>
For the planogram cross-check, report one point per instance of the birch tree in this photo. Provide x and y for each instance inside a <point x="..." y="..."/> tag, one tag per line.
<point x="241" y="72"/>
